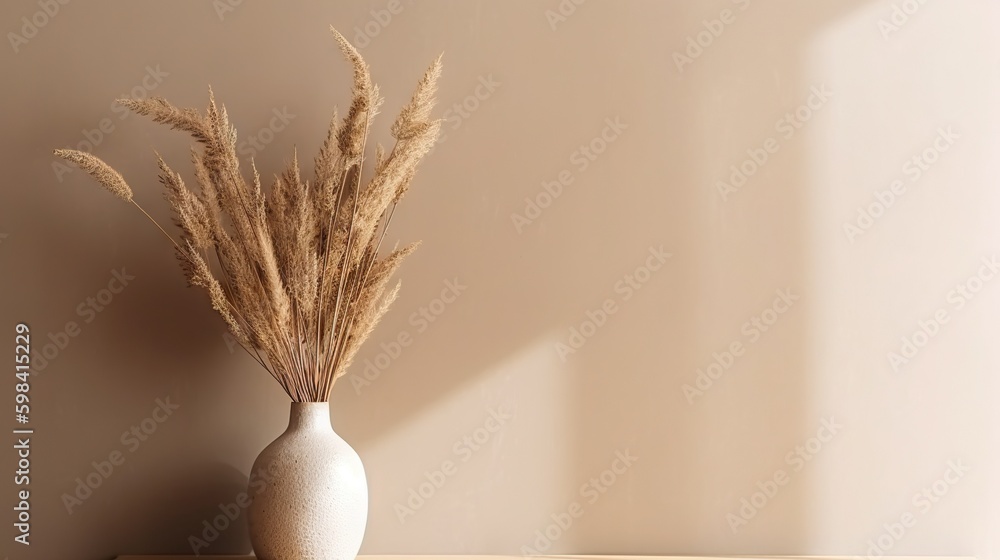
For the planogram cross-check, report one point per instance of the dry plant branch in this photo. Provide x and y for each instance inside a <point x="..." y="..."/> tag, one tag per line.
<point x="297" y="276"/>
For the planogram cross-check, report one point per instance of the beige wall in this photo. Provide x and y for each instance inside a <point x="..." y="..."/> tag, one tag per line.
<point x="495" y="349"/>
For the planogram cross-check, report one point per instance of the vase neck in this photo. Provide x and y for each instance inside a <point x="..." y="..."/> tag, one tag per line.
<point x="310" y="416"/>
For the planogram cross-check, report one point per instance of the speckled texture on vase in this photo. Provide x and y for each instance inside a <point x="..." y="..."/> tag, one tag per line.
<point x="314" y="503"/>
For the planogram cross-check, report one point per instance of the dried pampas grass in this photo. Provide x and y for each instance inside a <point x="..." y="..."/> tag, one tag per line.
<point x="295" y="272"/>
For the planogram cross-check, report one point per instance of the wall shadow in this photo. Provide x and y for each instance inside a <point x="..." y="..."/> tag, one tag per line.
<point x="654" y="186"/>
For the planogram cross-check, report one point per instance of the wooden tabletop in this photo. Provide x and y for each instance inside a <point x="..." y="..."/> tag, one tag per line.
<point x="565" y="557"/>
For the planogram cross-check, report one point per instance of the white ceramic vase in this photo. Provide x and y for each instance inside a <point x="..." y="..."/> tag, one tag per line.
<point x="309" y="492"/>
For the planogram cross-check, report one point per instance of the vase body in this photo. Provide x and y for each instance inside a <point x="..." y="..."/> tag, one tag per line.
<point x="309" y="493"/>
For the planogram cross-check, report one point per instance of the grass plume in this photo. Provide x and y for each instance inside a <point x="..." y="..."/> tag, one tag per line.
<point x="294" y="271"/>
